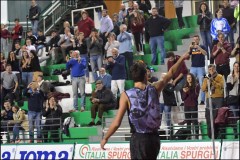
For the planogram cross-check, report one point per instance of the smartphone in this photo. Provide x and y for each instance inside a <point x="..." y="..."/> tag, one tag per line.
<point x="193" y="43"/>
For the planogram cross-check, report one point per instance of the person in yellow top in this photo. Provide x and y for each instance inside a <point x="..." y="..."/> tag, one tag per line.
<point x="19" y="121"/>
<point x="216" y="85"/>
<point x="236" y="13"/>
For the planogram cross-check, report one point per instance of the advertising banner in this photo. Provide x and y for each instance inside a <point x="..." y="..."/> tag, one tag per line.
<point x="94" y="151"/>
<point x="189" y="150"/>
<point x="60" y="151"/>
<point x="8" y="152"/>
<point x="230" y="150"/>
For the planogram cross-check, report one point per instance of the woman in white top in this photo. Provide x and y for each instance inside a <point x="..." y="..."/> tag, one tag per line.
<point x="111" y="43"/>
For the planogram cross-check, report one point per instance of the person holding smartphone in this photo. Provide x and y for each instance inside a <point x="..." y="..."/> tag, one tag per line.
<point x="198" y="53"/>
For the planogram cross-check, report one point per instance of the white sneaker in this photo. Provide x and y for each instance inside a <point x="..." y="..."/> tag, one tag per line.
<point x="141" y="53"/>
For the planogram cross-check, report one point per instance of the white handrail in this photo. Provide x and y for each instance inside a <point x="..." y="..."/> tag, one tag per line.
<point x="59" y="4"/>
<point x="76" y="10"/>
<point x="51" y="8"/>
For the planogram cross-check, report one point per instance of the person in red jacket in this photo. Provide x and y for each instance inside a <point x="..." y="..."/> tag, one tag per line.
<point x="190" y="93"/>
<point x="16" y="33"/>
<point x="86" y="24"/>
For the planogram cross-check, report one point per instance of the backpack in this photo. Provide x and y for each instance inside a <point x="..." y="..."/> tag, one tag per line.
<point x="223" y="115"/>
<point x="68" y="123"/>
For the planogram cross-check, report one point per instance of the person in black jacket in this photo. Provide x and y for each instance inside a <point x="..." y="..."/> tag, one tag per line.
<point x="204" y="22"/>
<point x="35" y="104"/>
<point x="34" y="13"/>
<point x="53" y="44"/>
<point x="53" y="114"/>
<point x="103" y="100"/>
<point x="156" y="25"/>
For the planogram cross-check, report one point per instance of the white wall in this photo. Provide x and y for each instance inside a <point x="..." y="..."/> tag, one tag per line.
<point x="4" y="15"/>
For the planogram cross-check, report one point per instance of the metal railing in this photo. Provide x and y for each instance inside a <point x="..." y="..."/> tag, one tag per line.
<point x="178" y="122"/>
<point x="53" y="132"/>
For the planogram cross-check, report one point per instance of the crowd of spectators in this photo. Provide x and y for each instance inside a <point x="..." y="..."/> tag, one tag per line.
<point x="109" y="52"/>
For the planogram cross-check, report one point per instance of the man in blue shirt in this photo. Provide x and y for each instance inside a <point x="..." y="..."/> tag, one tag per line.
<point x="105" y="78"/>
<point x="198" y="53"/>
<point x="77" y="66"/>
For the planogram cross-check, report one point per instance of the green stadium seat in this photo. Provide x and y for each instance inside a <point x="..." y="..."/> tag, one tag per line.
<point x="204" y="131"/>
<point x="229" y="133"/>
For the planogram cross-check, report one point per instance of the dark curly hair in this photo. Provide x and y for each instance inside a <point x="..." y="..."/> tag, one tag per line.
<point x="138" y="71"/>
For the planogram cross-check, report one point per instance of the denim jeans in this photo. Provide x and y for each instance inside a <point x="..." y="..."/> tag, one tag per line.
<point x="96" y="64"/>
<point x="231" y="36"/>
<point x="207" y="42"/>
<point x="16" y="129"/>
<point x="235" y="110"/>
<point x="4" y="47"/>
<point x="78" y="82"/>
<point x="155" y="42"/>
<point x="34" y="24"/>
<point x="199" y="73"/>
<point x="27" y="77"/>
<point x="86" y="70"/>
<point x="40" y="47"/>
<point x="167" y="110"/>
<point x="34" y="117"/>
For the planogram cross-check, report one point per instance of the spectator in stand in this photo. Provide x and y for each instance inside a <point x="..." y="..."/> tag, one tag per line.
<point x="116" y="24"/>
<point x="106" y="26"/>
<point x="44" y="86"/>
<point x="4" y="39"/>
<point x="27" y="73"/>
<point x="66" y="24"/>
<point x="3" y="62"/>
<point x="13" y="61"/>
<point x="95" y="44"/>
<point x="80" y="44"/>
<point x="32" y="37"/>
<point x="40" y="43"/>
<point x="160" y="5"/>
<point x="145" y="5"/>
<point x="105" y="78"/>
<point x="219" y="24"/>
<point x="179" y="78"/>
<point x="34" y="14"/>
<point x="66" y="42"/>
<point x="125" y="47"/>
<point x="29" y="46"/>
<point x="103" y="100"/>
<point x="111" y="43"/>
<point x="164" y="105"/>
<point x="220" y="53"/>
<point x="233" y="88"/>
<point x="156" y="34"/>
<point x="17" y="50"/>
<point x="20" y="122"/>
<point x="35" y="99"/>
<point x="151" y="78"/>
<point x="53" y="44"/>
<point x="122" y="14"/>
<point x="204" y="21"/>
<point x="236" y="51"/>
<point x="77" y="65"/>
<point x="53" y="114"/>
<point x="137" y="25"/>
<point x="198" y="53"/>
<point x="178" y="4"/>
<point x="228" y="13"/>
<point x="190" y="95"/>
<point x="117" y="64"/>
<point x="16" y="33"/>
<point x="9" y="84"/>
<point x="217" y="94"/>
<point x="6" y="115"/>
<point x="217" y="87"/>
<point x="86" y="24"/>
<point x="35" y="65"/>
